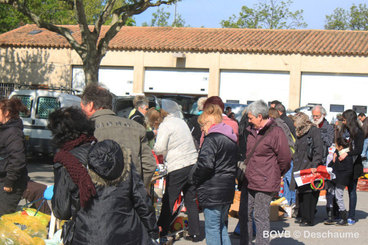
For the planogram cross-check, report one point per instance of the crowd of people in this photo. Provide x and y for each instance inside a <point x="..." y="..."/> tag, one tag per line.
<point x="104" y="167"/>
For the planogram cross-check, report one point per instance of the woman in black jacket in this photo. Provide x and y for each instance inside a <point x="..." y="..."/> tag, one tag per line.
<point x="351" y="128"/>
<point x="308" y="154"/>
<point x="13" y="170"/>
<point x="97" y="187"/>
<point x="214" y="173"/>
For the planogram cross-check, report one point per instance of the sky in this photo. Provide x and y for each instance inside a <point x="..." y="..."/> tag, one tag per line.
<point x="209" y="13"/>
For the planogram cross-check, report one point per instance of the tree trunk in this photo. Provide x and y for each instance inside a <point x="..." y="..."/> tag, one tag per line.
<point x="90" y="68"/>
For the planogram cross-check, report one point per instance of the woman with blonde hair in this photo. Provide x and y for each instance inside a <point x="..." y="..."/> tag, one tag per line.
<point x="174" y="141"/>
<point x="214" y="173"/>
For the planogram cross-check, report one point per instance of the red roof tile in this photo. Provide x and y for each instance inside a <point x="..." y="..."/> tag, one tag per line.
<point x="310" y="42"/>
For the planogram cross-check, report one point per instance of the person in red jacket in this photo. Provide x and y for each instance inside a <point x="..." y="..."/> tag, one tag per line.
<point x="268" y="158"/>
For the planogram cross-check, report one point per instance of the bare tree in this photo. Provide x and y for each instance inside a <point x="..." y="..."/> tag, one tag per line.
<point x="92" y="48"/>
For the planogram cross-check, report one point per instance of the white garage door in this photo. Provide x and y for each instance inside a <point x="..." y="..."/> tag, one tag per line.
<point x="336" y="92"/>
<point x="245" y="87"/>
<point x="119" y="80"/>
<point x="177" y="81"/>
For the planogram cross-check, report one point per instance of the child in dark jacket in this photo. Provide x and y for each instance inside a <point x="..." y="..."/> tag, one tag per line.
<point x="344" y="174"/>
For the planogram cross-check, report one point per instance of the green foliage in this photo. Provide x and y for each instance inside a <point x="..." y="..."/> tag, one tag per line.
<point x="269" y="14"/>
<point x="162" y="17"/>
<point x="356" y="18"/>
<point x="10" y="18"/>
<point x="53" y="11"/>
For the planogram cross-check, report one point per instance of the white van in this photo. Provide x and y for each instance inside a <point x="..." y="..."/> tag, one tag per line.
<point x="40" y="103"/>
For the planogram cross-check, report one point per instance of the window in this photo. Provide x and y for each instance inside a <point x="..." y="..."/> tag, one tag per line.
<point x="232" y="101"/>
<point x="27" y="101"/>
<point x="337" y="108"/>
<point x="45" y="106"/>
<point x="6" y="89"/>
<point x="360" y="108"/>
<point x="250" y="102"/>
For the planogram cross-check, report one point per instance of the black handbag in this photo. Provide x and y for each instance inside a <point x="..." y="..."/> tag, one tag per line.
<point x="68" y="231"/>
<point x="310" y="148"/>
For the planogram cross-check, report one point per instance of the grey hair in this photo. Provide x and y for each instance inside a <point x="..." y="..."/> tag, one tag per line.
<point x="200" y="103"/>
<point x="321" y="109"/>
<point x="258" y="107"/>
<point x="142" y="103"/>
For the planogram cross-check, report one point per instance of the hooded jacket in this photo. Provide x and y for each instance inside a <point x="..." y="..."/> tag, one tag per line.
<point x="120" y="212"/>
<point x="307" y="137"/>
<point x="270" y="160"/>
<point x="13" y="170"/>
<point x="214" y="172"/>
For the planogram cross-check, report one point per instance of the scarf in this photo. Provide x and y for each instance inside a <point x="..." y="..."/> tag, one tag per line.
<point x="75" y="168"/>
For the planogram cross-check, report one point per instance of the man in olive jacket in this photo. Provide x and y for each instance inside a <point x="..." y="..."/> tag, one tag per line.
<point x="97" y="104"/>
<point x="268" y="160"/>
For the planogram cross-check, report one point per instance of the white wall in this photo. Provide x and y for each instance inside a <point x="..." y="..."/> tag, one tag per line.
<point x="246" y="86"/>
<point x="177" y="81"/>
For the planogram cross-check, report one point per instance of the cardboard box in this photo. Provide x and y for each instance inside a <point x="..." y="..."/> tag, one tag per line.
<point x="276" y="213"/>
<point x="234" y="208"/>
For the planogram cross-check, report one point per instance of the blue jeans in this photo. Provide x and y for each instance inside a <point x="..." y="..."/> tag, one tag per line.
<point x="288" y="194"/>
<point x="215" y="228"/>
<point x="352" y="198"/>
<point x="365" y="148"/>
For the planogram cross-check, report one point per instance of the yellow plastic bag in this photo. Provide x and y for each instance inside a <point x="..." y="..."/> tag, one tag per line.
<point x="10" y="234"/>
<point x="24" y="228"/>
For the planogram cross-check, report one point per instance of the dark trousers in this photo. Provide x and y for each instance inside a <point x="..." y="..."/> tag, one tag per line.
<point x="352" y="198"/>
<point x="34" y="192"/>
<point x="307" y="205"/>
<point x="243" y="215"/>
<point x="9" y="200"/>
<point x="259" y="204"/>
<point x="176" y="182"/>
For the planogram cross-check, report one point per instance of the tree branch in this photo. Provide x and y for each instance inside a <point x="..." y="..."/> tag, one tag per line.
<point x="82" y="20"/>
<point x="125" y="12"/>
<point x="104" y="15"/>
<point x="65" y="32"/>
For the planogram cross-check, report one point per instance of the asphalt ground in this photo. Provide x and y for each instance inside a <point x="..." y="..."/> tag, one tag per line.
<point x="283" y="232"/>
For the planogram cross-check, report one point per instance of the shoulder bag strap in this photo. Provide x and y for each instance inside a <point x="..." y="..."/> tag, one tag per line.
<point x="256" y="144"/>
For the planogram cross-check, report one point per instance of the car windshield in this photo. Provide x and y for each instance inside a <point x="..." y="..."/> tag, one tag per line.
<point x="27" y="101"/>
<point x="46" y="105"/>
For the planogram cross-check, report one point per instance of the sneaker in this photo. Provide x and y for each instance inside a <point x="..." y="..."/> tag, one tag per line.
<point x="163" y="240"/>
<point x="192" y="238"/>
<point x="351" y="221"/>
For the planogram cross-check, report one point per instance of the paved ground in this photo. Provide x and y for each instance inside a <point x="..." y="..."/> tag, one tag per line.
<point x="283" y="232"/>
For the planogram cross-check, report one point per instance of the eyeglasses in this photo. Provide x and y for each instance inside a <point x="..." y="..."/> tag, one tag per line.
<point x="316" y="116"/>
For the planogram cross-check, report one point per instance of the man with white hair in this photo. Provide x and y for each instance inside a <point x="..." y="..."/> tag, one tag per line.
<point x="268" y="157"/>
<point x="327" y="135"/>
<point x="327" y="130"/>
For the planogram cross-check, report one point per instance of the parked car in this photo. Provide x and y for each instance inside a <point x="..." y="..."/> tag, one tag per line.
<point x="237" y="109"/>
<point x="122" y="105"/>
<point x="40" y="103"/>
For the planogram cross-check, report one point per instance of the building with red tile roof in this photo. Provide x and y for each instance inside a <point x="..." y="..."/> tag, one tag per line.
<point x="240" y="65"/>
